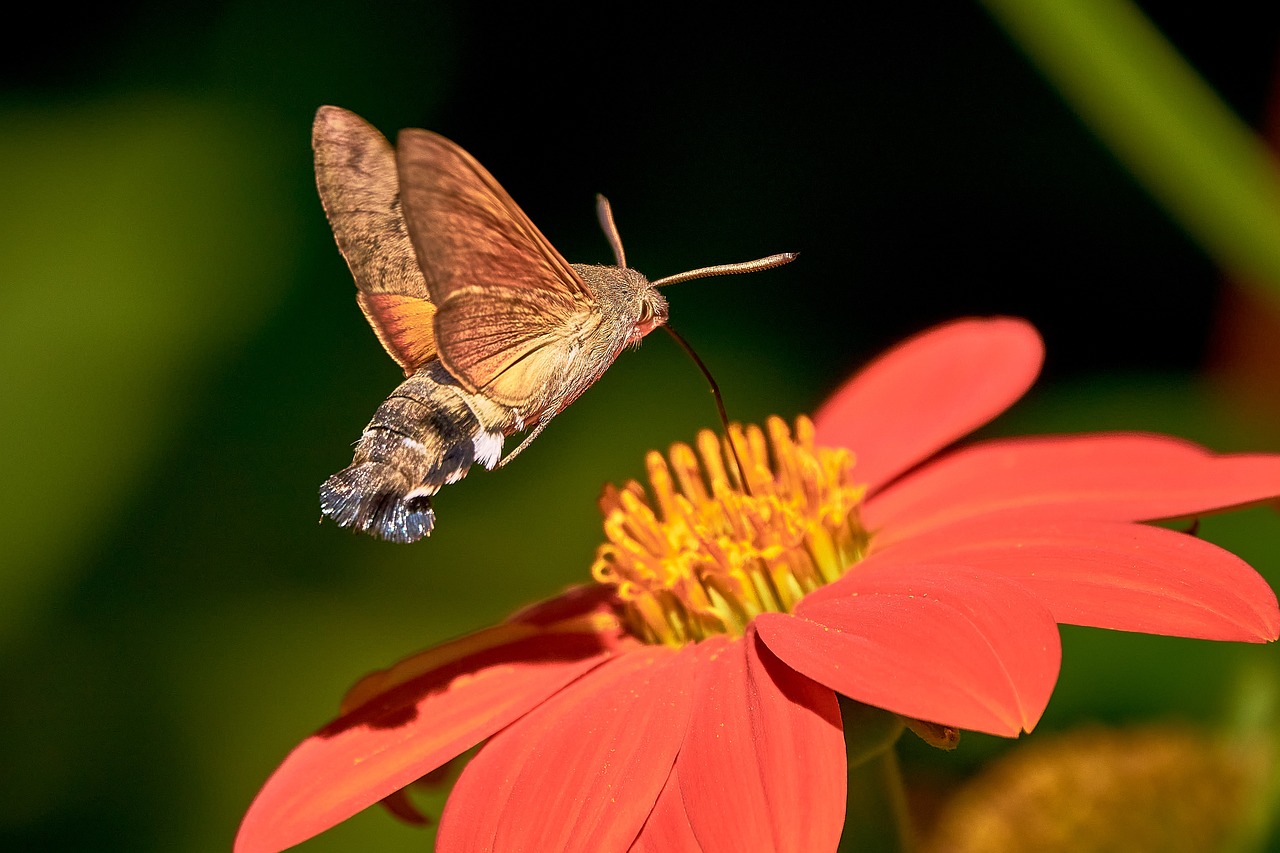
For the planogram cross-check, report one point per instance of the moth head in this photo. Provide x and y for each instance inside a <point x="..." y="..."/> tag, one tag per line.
<point x="625" y="282"/>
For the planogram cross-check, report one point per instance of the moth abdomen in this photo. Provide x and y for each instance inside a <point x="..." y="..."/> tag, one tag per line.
<point x="376" y="498"/>
<point x="428" y="433"/>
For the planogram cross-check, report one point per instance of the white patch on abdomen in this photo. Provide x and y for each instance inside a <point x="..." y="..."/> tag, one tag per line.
<point x="425" y="490"/>
<point x="488" y="448"/>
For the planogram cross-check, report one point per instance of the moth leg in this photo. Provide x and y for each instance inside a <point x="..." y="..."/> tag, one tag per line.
<point x="534" y="433"/>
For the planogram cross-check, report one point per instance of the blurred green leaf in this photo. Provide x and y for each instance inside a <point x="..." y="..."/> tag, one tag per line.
<point x="141" y="238"/>
<point x="1192" y="153"/>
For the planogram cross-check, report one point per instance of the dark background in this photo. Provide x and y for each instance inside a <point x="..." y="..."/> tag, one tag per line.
<point x="184" y="362"/>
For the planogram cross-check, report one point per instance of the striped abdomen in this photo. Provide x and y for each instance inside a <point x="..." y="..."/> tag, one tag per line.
<point x="425" y="435"/>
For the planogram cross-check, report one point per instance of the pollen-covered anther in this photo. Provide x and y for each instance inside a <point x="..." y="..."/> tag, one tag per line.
<point x="700" y="554"/>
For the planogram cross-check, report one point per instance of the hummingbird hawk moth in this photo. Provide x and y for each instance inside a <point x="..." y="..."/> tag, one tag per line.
<point x="495" y="331"/>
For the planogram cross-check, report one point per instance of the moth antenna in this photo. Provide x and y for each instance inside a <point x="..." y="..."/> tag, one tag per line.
<point x="715" y="392"/>
<point x="605" y="214"/>
<point x="727" y="269"/>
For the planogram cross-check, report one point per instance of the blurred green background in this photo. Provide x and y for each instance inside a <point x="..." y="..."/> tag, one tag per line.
<point x="183" y="361"/>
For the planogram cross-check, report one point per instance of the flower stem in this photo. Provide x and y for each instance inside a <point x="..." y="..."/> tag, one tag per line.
<point x="876" y="818"/>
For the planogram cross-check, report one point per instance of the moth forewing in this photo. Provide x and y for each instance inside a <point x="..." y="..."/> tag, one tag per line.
<point x="507" y="344"/>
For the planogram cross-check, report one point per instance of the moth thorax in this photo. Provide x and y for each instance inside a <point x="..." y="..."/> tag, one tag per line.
<point x="626" y="296"/>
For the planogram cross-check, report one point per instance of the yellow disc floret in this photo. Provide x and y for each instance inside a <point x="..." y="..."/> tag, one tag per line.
<point x="707" y="554"/>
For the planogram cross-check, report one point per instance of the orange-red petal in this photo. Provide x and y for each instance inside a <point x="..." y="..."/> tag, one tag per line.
<point x="668" y="829"/>
<point x="929" y="391"/>
<point x="583" y="770"/>
<point x="941" y="643"/>
<point x="765" y="746"/>
<point x="431" y="709"/>
<point x="1103" y="476"/>
<point x="1127" y="577"/>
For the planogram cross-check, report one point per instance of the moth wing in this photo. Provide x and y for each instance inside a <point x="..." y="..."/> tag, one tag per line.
<point x="360" y="192"/>
<point x="505" y="339"/>
<point x="502" y="291"/>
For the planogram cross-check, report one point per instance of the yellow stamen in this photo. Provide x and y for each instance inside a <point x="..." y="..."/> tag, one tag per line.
<point x="711" y="556"/>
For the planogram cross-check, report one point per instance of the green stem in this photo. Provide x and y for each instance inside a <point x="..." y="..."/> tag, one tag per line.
<point x="876" y="818"/>
<point x="1209" y="170"/>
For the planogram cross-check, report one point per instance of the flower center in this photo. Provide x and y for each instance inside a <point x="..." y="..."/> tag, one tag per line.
<point x="712" y="554"/>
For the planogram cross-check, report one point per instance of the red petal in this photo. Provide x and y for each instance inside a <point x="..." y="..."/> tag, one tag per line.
<point x="668" y="829"/>
<point x="582" y="771"/>
<point x="762" y="767"/>
<point x="1127" y="577"/>
<point x="929" y="391"/>
<point x="945" y="644"/>
<point x="1105" y="476"/>
<point x="413" y="727"/>
<point x="576" y="602"/>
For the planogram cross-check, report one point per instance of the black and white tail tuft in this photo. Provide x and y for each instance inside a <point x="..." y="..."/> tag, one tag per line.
<point x="376" y="498"/>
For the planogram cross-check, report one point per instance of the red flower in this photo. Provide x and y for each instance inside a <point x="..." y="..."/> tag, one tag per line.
<point x="688" y="700"/>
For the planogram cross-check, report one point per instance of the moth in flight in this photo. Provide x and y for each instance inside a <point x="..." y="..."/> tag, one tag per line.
<point x="495" y="331"/>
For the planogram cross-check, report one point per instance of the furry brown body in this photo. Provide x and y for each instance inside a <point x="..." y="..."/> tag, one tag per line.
<point x="431" y="430"/>
<point x="495" y="331"/>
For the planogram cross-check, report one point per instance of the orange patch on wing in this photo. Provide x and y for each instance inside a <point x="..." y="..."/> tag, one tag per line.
<point x="403" y="325"/>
